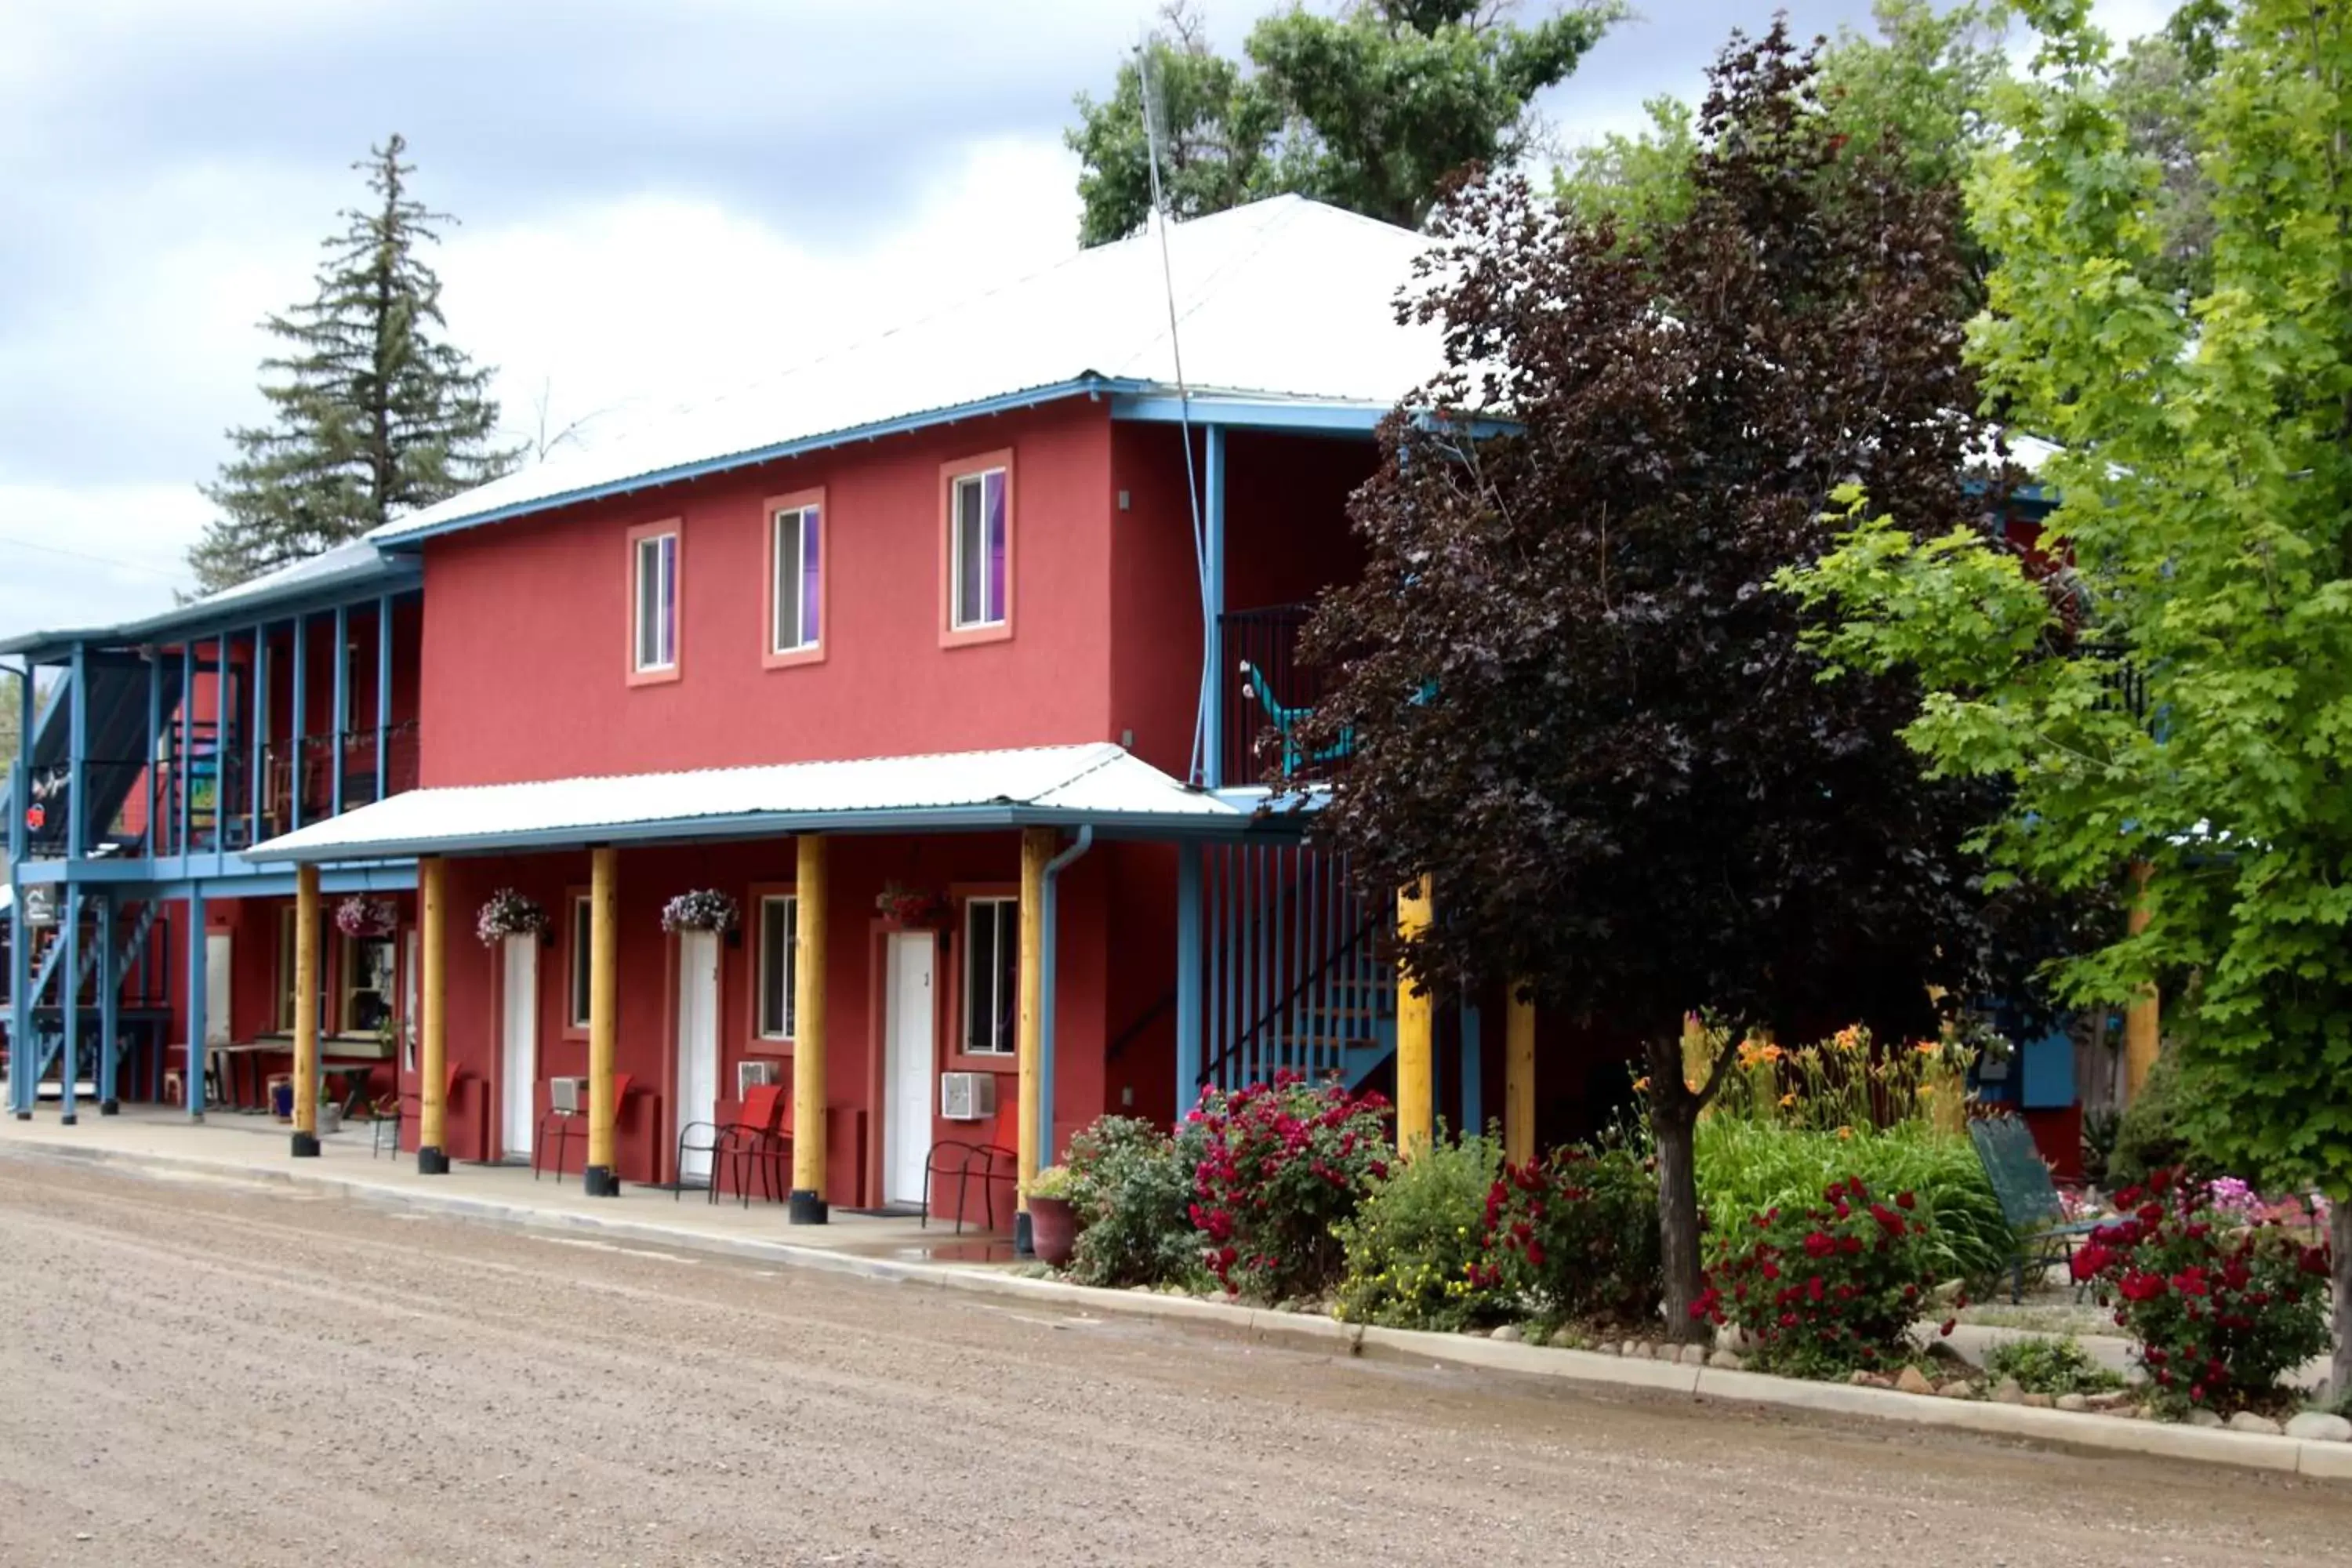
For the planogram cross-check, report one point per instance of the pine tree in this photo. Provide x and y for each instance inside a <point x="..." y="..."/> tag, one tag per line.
<point x="376" y="414"/>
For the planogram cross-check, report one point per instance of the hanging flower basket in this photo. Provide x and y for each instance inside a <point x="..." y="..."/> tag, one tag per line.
<point x="365" y="915"/>
<point x="917" y="909"/>
<point x="508" y="913"/>
<point x="705" y="908"/>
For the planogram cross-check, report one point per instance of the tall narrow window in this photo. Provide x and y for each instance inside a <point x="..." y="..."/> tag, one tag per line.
<point x="991" y="976"/>
<point x="794" y="597"/>
<point x="577" y="990"/>
<point x="979" y="541"/>
<point x="779" y="968"/>
<point x="287" y="927"/>
<point x="654" y="602"/>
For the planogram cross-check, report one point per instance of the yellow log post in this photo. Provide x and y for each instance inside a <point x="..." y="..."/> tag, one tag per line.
<point x="2143" y="1020"/>
<point x="602" y="1177"/>
<point x="1038" y="847"/>
<point x="1520" y="1081"/>
<point x="1416" y="1032"/>
<point x="433" y="1033"/>
<point x="306" y="1012"/>
<point x="808" y="1201"/>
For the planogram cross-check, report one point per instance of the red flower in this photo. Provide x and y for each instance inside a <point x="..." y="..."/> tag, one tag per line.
<point x="1905" y="1201"/>
<point x="1819" y="1244"/>
<point x="1949" y="1324"/>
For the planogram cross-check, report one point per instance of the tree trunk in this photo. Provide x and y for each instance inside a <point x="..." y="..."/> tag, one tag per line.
<point x="2339" y="1241"/>
<point x="1678" y="1259"/>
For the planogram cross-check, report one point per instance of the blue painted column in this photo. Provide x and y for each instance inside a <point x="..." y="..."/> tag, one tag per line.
<point x="342" y="709"/>
<point x="1474" y="1072"/>
<point x="70" y="998"/>
<point x="184" y="750"/>
<point x="259" y="780"/>
<point x="109" y="1047"/>
<point x="1189" y="990"/>
<point x="23" y="1059"/>
<point x="199" y="1005"/>
<point x="383" y="693"/>
<point x="295" y="727"/>
<point x="77" y="743"/>
<point x="1213" y="610"/>
<point x="152" y="774"/>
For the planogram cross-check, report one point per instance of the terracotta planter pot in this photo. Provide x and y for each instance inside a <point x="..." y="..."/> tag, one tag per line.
<point x="1053" y="1230"/>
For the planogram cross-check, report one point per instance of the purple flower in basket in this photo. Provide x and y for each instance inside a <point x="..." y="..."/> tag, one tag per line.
<point x="508" y="913"/>
<point x="705" y="908"/>
<point x="366" y="915"/>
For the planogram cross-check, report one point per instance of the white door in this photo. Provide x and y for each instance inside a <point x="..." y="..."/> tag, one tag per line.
<point x="216" y="974"/>
<point x="519" y="1062"/>
<point x="907" y="1068"/>
<point x="698" y="1041"/>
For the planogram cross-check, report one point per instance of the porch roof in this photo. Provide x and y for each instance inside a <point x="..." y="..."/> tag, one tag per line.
<point x="1098" y="784"/>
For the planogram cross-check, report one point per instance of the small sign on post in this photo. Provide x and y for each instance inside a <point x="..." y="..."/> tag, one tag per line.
<point x="40" y="904"/>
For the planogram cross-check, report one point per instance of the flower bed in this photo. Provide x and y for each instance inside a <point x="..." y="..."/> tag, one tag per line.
<point x="1280" y="1165"/>
<point x="2220" y="1310"/>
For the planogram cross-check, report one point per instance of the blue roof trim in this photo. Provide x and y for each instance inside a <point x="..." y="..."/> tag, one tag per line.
<point x="205" y="619"/>
<point x="1251" y="413"/>
<point x="677" y="473"/>
<point x="777" y="824"/>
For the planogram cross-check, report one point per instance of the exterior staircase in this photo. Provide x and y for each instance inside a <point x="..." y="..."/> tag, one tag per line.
<point x="1299" y="969"/>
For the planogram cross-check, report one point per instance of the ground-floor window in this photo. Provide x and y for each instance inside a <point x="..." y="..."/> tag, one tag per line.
<point x="577" y="990"/>
<point x="286" y="929"/>
<point x="367" y="984"/>
<point x="779" y="964"/>
<point x="991" y="976"/>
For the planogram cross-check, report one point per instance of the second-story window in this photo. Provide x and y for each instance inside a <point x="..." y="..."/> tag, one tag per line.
<point x="653" y="602"/>
<point x="795" y="588"/>
<point x="980" y="534"/>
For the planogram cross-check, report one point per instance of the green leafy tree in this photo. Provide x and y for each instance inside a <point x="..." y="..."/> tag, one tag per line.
<point x="1372" y="109"/>
<point x="374" y="412"/>
<point x="2184" y="700"/>
<point x="1574" y="701"/>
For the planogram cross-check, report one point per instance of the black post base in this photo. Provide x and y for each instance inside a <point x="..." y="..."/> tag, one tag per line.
<point x="306" y="1146"/>
<point x="603" y="1182"/>
<point x="1022" y="1246"/>
<point x="23" y="1116"/>
<point x="432" y="1163"/>
<point x="109" y="1108"/>
<point x="68" y="1120"/>
<point x="807" y="1208"/>
<point x="195" y="1117"/>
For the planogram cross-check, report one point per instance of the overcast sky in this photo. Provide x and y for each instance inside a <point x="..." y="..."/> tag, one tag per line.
<point x="657" y="197"/>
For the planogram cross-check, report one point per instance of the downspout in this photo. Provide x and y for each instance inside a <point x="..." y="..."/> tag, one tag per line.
<point x="1084" y="842"/>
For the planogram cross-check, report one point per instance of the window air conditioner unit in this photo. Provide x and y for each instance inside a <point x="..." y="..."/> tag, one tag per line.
<point x="967" y="1096"/>
<point x="568" y="1095"/>
<point x="747" y="1074"/>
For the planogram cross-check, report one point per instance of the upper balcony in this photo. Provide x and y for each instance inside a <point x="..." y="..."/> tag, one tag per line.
<point x="163" y="749"/>
<point x="1267" y="696"/>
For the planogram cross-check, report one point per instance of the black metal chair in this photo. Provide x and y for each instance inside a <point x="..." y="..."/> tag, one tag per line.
<point x="568" y="1125"/>
<point x="992" y="1162"/>
<point x="740" y="1145"/>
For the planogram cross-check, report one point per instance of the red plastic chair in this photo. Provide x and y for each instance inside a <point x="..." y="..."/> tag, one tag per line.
<point x="569" y="1125"/>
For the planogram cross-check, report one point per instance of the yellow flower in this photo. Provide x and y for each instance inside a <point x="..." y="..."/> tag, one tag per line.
<point x="1640" y="1085"/>
<point x="1846" y="1133"/>
<point x="1789" y="1098"/>
<point x="1926" y="1047"/>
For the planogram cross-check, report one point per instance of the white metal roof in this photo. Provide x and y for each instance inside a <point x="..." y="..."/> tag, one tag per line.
<point x="1282" y="299"/>
<point x="1098" y="783"/>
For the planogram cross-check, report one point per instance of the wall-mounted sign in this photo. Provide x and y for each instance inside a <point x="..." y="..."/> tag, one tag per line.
<point x="40" y="904"/>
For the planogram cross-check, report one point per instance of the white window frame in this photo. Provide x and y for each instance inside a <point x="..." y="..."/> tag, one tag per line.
<point x="791" y="1001"/>
<point x="802" y="518"/>
<point x="661" y="550"/>
<point x="1006" y="912"/>
<point x="977" y="482"/>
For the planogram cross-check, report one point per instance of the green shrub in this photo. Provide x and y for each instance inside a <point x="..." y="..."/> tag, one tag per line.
<point x="1747" y="1168"/>
<point x="2052" y="1366"/>
<point x="1410" y="1246"/>
<point x="1130" y="1188"/>
<point x="1574" y="1236"/>
<point x="2149" y="1137"/>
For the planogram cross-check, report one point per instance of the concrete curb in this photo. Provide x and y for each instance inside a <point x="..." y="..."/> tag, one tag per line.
<point x="1315" y="1333"/>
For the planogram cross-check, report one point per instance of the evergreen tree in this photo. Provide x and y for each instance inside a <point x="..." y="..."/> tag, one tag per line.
<point x="375" y="412"/>
<point x="1371" y="110"/>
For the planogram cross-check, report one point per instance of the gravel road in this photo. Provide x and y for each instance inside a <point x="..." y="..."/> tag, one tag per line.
<point x="202" y="1372"/>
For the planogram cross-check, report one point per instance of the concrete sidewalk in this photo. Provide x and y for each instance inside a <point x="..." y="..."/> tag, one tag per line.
<point x="249" y="1149"/>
